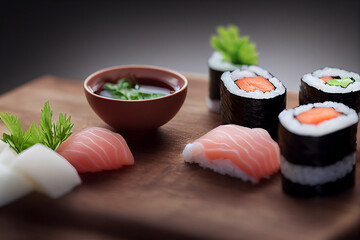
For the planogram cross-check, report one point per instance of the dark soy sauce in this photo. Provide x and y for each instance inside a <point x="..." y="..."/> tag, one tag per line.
<point x="146" y="85"/>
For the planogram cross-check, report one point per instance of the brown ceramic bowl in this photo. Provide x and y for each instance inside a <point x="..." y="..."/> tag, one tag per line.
<point x="136" y="115"/>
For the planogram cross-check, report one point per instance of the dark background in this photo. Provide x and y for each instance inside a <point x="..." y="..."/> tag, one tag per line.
<point x="72" y="39"/>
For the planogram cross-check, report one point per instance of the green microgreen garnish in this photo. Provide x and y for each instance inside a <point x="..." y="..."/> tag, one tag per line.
<point x="48" y="133"/>
<point x="341" y="82"/>
<point x="235" y="49"/>
<point x="127" y="89"/>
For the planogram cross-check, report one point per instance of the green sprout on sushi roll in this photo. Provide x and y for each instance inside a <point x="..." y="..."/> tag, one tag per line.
<point x="235" y="49"/>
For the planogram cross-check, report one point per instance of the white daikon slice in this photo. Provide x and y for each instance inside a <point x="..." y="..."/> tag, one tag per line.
<point x="3" y="145"/>
<point x="13" y="185"/>
<point x="7" y="154"/>
<point x="52" y="174"/>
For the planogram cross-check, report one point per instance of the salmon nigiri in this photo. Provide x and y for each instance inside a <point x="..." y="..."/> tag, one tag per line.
<point x="249" y="154"/>
<point x="95" y="149"/>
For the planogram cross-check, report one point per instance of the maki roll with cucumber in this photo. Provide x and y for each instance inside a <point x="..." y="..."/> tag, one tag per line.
<point x="318" y="149"/>
<point x="253" y="98"/>
<point x="331" y="84"/>
<point x="231" y="52"/>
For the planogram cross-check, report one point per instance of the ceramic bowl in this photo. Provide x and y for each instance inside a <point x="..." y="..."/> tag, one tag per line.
<point x="136" y="115"/>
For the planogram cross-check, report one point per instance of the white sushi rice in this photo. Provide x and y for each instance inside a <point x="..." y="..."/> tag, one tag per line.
<point x="216" y="63"/>
<point x="213" y="105"/>
<point x="194" y="153"/>
<point x="288" y="120"/>
<point x="229" y="79"/>
<point x="313" y="80"/>
<point x="311" y="176"/>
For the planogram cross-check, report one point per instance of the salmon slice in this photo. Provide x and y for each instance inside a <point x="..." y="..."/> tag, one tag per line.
<point x="250" y="154"/>
<point x="317" y="115"/>
<point x="95" y="149"/>
<point x="326" y="78"/>
<point x="250" y="84"/>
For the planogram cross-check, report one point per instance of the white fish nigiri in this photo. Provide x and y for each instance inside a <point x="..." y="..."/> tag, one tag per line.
<point x="13" y="185"/>
<point x="51" y="174"/>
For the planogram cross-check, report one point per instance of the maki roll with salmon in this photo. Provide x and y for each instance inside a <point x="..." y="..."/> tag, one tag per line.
<point x="231" y="52"/>
<point x="318" y="149"/>
<point x="331" y="84"/>
<point x="253" y="98"/>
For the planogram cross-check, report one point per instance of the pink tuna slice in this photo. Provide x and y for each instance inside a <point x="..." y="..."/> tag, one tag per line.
<point x="95" y="149"/>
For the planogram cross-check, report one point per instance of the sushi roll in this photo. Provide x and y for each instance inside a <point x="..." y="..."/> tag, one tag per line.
<point x="231" y="52"/>
<point x="216" y="68"/>
<point x="318" y="149"/>
<point x="331" y="84"/>
<point x="248" y="154"/>
<point x="253" y="98"/>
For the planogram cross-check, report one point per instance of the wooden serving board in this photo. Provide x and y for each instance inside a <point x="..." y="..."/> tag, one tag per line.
<point x="161" y="197"/>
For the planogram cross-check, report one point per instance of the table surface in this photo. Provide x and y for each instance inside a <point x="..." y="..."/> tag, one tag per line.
<point x="161" y="196"/>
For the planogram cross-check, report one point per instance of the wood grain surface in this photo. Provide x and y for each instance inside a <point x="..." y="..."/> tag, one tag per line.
<point x="161" y="197"/>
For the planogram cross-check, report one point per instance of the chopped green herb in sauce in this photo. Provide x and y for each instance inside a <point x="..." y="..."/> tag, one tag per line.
<point x="127" y="88"/>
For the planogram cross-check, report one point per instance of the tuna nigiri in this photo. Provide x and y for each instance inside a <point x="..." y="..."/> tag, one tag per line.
<point x="95" y="149"/>
<point x="249" y="154"/>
